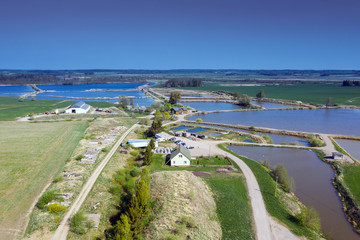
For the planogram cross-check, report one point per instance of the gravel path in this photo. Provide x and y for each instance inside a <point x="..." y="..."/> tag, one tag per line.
<point x="63" y="229"/>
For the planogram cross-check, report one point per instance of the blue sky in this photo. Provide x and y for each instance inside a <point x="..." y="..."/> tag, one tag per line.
<point x="180" y="34"/>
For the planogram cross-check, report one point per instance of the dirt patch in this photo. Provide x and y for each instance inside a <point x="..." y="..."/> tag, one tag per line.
<point x="202" y="174"/>
<point x="185" y="208"/>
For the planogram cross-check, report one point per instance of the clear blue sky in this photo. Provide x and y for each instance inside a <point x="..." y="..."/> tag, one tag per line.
<point x="180" y="34"/>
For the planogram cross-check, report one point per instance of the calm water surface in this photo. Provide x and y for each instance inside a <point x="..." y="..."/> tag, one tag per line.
<point x="278" y="139"/>
<point x="270" y="105"/>
<point x="196" y="130"/>
<point x="180" y="128"/>
<point x="15" y="89"/>
<point x="337" y="121"/>
<point x="83" y="87"/>
<point x="93" y="94"/>
<point x="211" y="106"/>
<point x="312" y="185"/>
<point x="352" y="147"/>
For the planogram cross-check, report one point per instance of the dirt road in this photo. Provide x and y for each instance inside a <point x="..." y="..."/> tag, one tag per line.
<point x="63" y="229"/>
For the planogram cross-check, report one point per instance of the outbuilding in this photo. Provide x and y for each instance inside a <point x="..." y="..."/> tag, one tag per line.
<point x="141" y="143"/>
<point x="178" y="110"/>
<point x="337" y="156"/>
<point x="160" y="137"/>
<point x="180" y="156"/>
<point x="80" y="107"/>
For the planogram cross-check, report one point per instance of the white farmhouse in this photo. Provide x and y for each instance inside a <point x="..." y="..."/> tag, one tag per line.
<point x="80" y="107"/>
<point x="180" y="156"/>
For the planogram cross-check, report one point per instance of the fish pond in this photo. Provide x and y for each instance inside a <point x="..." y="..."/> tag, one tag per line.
<point x="16" y="89"/>
<point x="317" y="120"/>
<point x="197" y="130"/>
<point x="313" y="185"/>
<point x="352" y="147"/>
<point x="269" y="105"/>
<point x="84" y="87"/>
<point x="212" y="106"/>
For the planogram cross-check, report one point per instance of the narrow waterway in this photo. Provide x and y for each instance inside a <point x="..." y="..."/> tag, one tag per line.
<point x="313" y="185"/>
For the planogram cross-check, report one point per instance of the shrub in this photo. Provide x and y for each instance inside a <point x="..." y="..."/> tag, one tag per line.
<point x="56" y="208"/>
<point x="310" y="218"/>
<point x="79" y="157"/>
<point x="198" y="120"/>
<point x="135" y="172"/>
<point x="105" y="149"/>
<point x="315" y="142"/>
<point x="58" y="179"/>
<point x="188" y="221"/>
<point x="144" y="121"/>
<point x="283" y="177"/>
<point x="77" y="223"/>
<point x="134" y="153"/>
<point x="47" y="197"/>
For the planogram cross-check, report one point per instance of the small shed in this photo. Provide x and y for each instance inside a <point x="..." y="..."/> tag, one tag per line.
<point x="80" y="107"/>
<point x="180" y="156"/>
<point x="337" y="156"/>
<point x="140" y="143"/>
<point x="160" y="137"/>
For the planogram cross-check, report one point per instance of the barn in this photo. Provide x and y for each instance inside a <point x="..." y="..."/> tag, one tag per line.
<point x="80" y="107"/>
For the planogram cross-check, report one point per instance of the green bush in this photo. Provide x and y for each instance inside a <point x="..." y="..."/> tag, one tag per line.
<point x="58" y="179"/>
<point x="56" y="208"/>
<point x="105" y="149"/>
<point x="283" y="177"/>
<point x="77" y="223"/>
<point x="315" y="142"/>
<point x="46" y="198"/>
<point x="79" y="157"/>
<point x="310" y="218"/>
<point x="135" y="172"/>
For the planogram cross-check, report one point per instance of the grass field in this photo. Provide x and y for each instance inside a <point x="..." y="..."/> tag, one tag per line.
<point x="30" y="155"/>
<point x="275" y="205"/>
<point x="352" y="180"/>
<point x="308" y="93"/>
<point x="11" y="108"/>
<point x="211" y="161"/>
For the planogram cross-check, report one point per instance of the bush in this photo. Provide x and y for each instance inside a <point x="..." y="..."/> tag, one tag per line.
<point x="310" y="218"/>
<point x="144" y="121"/>
<point x="198" y="120"/>
<point x="58" y="179"/>
<point x="105" y="149"/>
<point x="46" y="198"/>
<point x="315" y="142"/>
<point x="188" y="221"/>
<point x="56" y="208"/>
<point x="135" y="172"/>
<point x="79" y="157"/>
<point x="283" y="177"/>
<point x="77" y="224"/>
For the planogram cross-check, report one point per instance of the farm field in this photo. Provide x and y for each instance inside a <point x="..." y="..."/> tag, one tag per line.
<point x="308" y="93"/>
<point x="30" y="155"/>
<point x="11" y="108"/>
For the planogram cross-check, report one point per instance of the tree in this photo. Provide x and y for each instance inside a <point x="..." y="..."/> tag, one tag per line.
<point x="148" y="155"/>
<point x="260" y="94"/>
<point x="158" y="114"/>
<point x="152" y="143"/>
<point x="283" y="177"/>
<point x="167" y="106"/>
<point x="166" y="115"/>
<point x="198" y="120"/>
<point x="156" y="127"/>
<point x="244" y="100"/>
<point x="123" y="229"/>
<point x="132" y="102"/>
<point x="175" y="96"/>
<point x="309" y="217"/>
<point x="124" y="102"/>
<point x="328" y="102"/>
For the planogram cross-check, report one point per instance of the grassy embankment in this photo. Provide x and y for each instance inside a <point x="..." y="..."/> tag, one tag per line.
<point x="308" y="93"/>
<point x="275" y="206"/>
<point x="30" y="155"/>
<point x="11" y="108"/>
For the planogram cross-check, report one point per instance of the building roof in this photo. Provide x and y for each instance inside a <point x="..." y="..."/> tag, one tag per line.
<point x="338" y="154"/>
<point x="160" y="135"/>
<point x="179" y="108"/>
<point x="80" y="104"/>
<point x="138" y="140"/>
<point x="181" y="149"/>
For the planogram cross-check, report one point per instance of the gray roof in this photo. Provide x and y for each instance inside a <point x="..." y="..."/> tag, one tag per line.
<point x="181" y="149"/>
<point x="80" y="104"/>
<point x="178" y="108"/>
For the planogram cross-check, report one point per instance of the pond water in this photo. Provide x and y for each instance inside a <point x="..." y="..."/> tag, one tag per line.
<point x="270" y="105"/>
<point x="278" y="139"/>
<point x="180" y="128"/>
<point x="10" y="95"/>
<point x="352" y="147"/>
<point x="214" y="134"/>
<point x="313" y="184"/>
<point x="196" y="130"/>
<point x="111" y="94"/>
<point x="317" y="120"/>
<point x="212" y="106"/>
<point x="15" y="89"/>
<point x="83" y="87"/>
<point x="248" y="141"/>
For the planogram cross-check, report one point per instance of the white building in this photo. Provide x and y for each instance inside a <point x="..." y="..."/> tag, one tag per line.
<point x="80" y="107"/>
<point x="141" y="143"/>
<point x="180" y="156"/>
<point x="337" y="156"/>
<point x="160" y="137"/>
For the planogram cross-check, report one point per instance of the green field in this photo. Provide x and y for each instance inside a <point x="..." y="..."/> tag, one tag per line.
<point x="30" y="155"/>
<point x="308" y="93"/>
<point x="11" y="108"/>
<point x="352" y="180"/>
<point x="212" y="161"/>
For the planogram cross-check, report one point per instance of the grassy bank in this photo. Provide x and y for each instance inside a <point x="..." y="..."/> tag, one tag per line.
<point x="11" y="108"/>
<point x="309" y="93"/>
<point x="275" y="206"/>
<point x="31" y="154"/>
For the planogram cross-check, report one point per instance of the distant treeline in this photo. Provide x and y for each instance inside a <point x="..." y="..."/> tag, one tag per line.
<point x="183" y="83"/>
<point x="18" y="79"/>
<point x="351" y="83"/>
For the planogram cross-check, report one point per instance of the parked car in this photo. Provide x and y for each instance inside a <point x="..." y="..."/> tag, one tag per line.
<point x="178" y="141"/>
<point x="172" y="139"/>
<point x="182" y="143"/>
<point x="189" y="147"/>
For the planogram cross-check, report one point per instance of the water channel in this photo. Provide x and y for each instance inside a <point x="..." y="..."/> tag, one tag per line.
<point x="313" y="185"/>
<point x="352" y="147"/>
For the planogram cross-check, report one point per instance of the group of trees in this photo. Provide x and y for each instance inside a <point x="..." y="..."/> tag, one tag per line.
<point x="134" y="208"/>
<point x="183" y="83"/>
<point x="175" y="96"/>
<point x="351" y="83"/>
<point x="156" y="127"/>
<point x="242" y="99"/>
<point x="164" y="116"/>
<point x="148" y="155"/>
